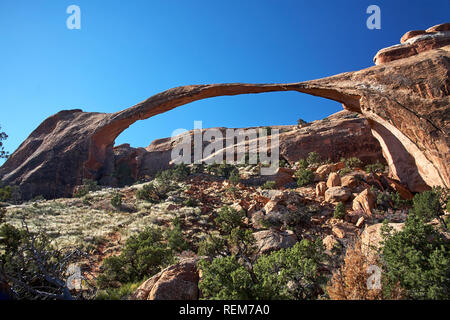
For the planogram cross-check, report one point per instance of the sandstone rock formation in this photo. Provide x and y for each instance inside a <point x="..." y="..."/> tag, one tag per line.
<point x="406" y="102"/>
<point x="271" y="240"/>
<point x="177" y="282"/>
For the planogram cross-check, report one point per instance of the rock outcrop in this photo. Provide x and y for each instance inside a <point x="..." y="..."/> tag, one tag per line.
<point x="177" y="282"/>
<point x="405" y="100"/>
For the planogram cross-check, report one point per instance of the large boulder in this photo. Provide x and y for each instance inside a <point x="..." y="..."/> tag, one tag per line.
<point x="321" y="187"/>
<point x="365" y="202"/>
<point x="371" y="237"/>
<point x="337" y="194"/>
<point x="271" y="240"/>
<point x="177" y="282"/>
<point x="333" y="180"/>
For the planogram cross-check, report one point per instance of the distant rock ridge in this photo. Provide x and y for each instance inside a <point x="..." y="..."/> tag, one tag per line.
<point x="405" y="100"/>
<point x="343" y="134"/>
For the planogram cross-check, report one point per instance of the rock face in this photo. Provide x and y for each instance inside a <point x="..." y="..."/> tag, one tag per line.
<point x="270" y="240"/>
<point x="177" y="282"/>
<point x="337" y="194"/>
<point x="405" y="99"/>
<point x="415" y="42"/>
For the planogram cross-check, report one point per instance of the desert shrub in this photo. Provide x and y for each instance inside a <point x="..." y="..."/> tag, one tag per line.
<point x="225" y="170"/>
<point x="375" y="167"/>
<point x="5" y="193"/>
<point x="10" y="194"/>
<point x="302" y="163"/>
<point x="352" y="163"/>
<point x="386" y="200"/>
<point x="304" y="177"/>
<point x="339" y="211"/>
<point x="269" y="185"/>
<point x="87" y="186"/>
<point x="197" y="168"/>
<point x="349" y="281"/>
<point x="344" y="171"/>
<point x="124" y="292"/>
<point x="116" y="200"/>
<point x="417" y="258"/>
<point x="179" y="172"/>
<point x="34" y="268"/>
<point x="123" y="175"/>
<point x="235" y="178"/>
<point x="291" y="273"/>
<point x="301" y="122"/>
<point x="154" y="191"/>
<point x="190" y="202"/>
<point x="285" y="274"/>
<point x="427" y="205"/>
<point x="446" y="222"/>
<point x="225" y="279"/>
<point x="3" y="136"/>
<point x="175" y="238"/>
<point x="143" y="255"/>
<point x="283" y="163"/>
<point x="228" y="219"/>
<point x="313" y="158"/>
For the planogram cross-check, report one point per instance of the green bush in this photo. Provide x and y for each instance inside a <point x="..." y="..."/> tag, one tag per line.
<point x="301" y="122"/>
<point x="154" y="191"/>
<point x="352" y="163"/>
<point x="190" y="202"/>
<point x="339" y="211"/>
<point x="313" y="158"/>
<point x="285" y="274"/>
<point x="302" y="163"/>
<point x="35" y="268"/>
<point x="124" y="292"/>
<point x="269" y="185"/>
<point x="225" y="279"/>
<point x="87" y="186"/>
<point x="142" y="256"/>
<point x="116" y="200"/>
<point x="10" y="194"/>
<point x="291" y="273"/>
<point x="175" y="238"/>
<point x="3" y="154"/>
<point x="418" y="257"/>
<point x="235" y="178"/>
<point x="229" y="219"/>
<point x="304" y="177"/>
<point x="375" y="167"/>
<point x="426" y="205"/>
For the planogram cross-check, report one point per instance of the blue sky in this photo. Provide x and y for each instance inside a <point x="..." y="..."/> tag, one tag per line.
<point x="127" y="51"/>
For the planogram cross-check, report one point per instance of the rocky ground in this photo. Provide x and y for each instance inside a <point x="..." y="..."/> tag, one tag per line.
<point x="279" y="214"/>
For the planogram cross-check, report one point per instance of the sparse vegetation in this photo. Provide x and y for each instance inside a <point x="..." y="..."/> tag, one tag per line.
<point x="87" y="186"/>
<point x="417" y="258"/>
<point x="3" y="136"/>
<point x="269" y="185"/>
<point x="375" y="168"/>
<point x="116" y="200"/>
<point x="352" y="163"/>
<point x="142" y="256"/>
<point x="304" y="177"/>
<point x="339" y="211"/>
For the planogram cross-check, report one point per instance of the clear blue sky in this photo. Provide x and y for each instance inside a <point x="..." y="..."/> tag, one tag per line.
<point x="127" y="51"/>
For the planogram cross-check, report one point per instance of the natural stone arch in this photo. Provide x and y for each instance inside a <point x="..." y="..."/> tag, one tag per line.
<point x="406" y="102"/>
